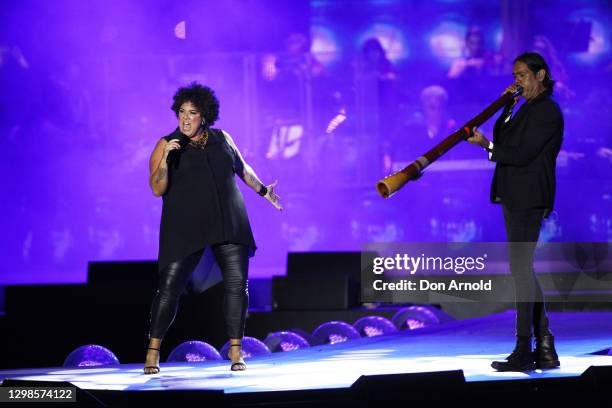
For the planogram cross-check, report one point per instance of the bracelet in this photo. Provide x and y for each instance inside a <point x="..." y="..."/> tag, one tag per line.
<point x="263" y="191"/>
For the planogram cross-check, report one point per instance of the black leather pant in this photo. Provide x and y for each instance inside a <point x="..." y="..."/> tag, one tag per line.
<point x="233" y="259"/>
<point x="523" y="226"/>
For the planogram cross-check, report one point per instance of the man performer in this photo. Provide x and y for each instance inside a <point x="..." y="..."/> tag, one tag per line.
<point x="525" y="148"/>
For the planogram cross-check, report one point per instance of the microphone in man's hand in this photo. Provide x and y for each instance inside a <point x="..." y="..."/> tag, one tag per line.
<point x="182" y="141"/>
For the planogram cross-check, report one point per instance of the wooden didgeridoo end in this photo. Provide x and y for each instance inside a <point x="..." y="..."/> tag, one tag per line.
<point x="390" y="184"/>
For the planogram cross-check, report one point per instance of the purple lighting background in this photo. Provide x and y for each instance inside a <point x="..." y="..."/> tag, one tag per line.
<point x="87" y="88"/>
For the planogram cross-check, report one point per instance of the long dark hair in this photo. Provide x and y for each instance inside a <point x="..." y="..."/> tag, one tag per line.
<point x="536" y="62"/>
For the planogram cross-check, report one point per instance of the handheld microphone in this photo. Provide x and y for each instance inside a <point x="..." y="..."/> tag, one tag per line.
<point x="182" y="140"/>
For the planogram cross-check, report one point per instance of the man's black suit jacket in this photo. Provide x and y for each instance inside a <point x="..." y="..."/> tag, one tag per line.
<point x="525" y="149"/>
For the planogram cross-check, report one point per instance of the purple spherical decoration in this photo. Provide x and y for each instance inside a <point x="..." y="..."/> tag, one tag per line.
<point x="285" y="341"/>
<point x="192" y="351"/>
<point x="415" y="317"/>
<point x="91" y="355"/>
<point x="371" y="326"/>
<point x="334" y="332"/>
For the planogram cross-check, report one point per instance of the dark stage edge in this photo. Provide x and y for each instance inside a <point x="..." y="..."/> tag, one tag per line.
<point x="448" y="363"/>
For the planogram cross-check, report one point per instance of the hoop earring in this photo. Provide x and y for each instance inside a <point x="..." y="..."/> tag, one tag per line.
<point x="203" y="122"/>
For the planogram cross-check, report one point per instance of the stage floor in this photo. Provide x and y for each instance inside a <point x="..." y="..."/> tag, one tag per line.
<point x="468" y="345"/>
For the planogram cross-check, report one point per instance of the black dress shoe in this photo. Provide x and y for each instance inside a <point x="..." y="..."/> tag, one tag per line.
<point x="545" y="355"/>
<point x="521" y="359"/>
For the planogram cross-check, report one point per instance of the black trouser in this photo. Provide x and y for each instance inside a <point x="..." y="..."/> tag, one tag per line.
<point x="523" y="226"/>
<point x="233" y="259"/>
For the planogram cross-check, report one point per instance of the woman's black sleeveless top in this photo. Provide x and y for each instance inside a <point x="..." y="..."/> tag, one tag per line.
<point x="202" y="205"/>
